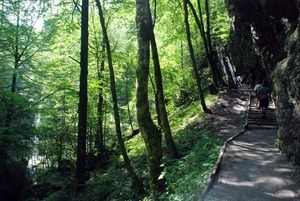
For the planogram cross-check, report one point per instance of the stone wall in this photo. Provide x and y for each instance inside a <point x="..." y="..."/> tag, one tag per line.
<point x="265" y="45"/>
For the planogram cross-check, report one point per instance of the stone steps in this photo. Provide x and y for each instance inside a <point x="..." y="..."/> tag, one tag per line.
<point x="254" y="120"/>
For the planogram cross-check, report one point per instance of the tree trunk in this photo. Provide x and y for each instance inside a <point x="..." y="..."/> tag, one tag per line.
<point x="149" y="131"/>
<point x="160" y="99"/>
<point x="82" y="109"/>
<point x="207" y="42"/>
<point x="17" y="57"/>
<point x="137" y="183"/>
<point x="99" y="47"/>
<point x="192" y="55"/>
<point x="128" y="107"/>
<point x="99" y="141"/>
<point x="213" y="64"/>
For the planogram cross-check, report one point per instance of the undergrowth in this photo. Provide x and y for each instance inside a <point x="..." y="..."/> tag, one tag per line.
<point x="186" y="175"/>
<point x="199" y="150"/>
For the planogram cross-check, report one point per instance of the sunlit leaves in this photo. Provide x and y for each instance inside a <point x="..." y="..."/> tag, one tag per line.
<point x="48" y="71"/>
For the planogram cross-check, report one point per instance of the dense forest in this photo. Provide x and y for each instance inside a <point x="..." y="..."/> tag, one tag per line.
<point x="103" y="100"/>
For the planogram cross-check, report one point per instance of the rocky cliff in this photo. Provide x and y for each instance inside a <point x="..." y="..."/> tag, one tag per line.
<point x="264" y="44"/>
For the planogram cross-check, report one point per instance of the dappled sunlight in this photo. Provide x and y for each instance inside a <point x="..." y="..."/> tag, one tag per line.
<point x="239" y="108"/>
<point x="271" y="182"/>
<point x="283" y="169"/>
<point x="238" y="183"/>
<point x="198" y="153"/>
<point x="252" y="169"/>
<point x="263" y="147"/>
<point x="284" y="193"/>
<point x="186" y="116"/>
<point x="228" y="114"/>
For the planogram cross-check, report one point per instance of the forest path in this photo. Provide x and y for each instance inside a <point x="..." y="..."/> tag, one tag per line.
<point x="251" y="167"/>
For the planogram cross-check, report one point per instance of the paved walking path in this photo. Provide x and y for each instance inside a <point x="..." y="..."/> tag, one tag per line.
<point x="253" y="169"/>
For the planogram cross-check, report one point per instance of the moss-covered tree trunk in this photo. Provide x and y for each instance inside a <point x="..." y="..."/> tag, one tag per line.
<point x="163" y="116"/>
<point x="148" y="129"/>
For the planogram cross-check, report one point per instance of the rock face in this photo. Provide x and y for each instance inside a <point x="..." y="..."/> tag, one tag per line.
<point x="265" y="45"/>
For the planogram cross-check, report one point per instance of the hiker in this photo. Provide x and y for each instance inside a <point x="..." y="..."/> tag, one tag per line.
<point x="256" y="88"/>
<point x="263" y="94"/>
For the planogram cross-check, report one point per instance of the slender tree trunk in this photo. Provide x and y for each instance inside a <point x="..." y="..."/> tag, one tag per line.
<point x="192" y="55"/>
<point x="214" y="65"/>
<point x="17" y="57"/>
<point x="207" y="42"/>
<point x="149" y="131"/>
<point x="99" y="52"/>
<point x="137" y="183"/>
<point x="128" y="107"/>
<point x="82" y="109"/>
<point x="207" y="46"/>
<point x="159" y="94"/>
<point x="158" y="118"/>
<point x="10" y="100"/>
<point x="99" y="141"/>
<point x="60" y="149"/>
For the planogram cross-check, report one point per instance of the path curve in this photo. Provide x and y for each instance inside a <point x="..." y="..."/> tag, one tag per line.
<point x="252" y="169"/>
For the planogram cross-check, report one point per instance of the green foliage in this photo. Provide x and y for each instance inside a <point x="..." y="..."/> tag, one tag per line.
<point x="16" y="137"/>
<point x="45" y="103"/>
<point x="99" y="187"/>
<point x="54" y="185"/>
<point x="188" y="176"/>
<point x="199" y="152"/>
<point x="295" y="166"/>
<point x="220" y="22"/>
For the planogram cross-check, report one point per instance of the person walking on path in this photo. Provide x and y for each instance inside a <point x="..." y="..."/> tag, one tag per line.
<point x="263" y="96"/>
<point x="256" y="88"/>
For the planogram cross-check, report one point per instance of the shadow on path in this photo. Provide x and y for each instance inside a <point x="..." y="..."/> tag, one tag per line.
<point x="252" y="169"/>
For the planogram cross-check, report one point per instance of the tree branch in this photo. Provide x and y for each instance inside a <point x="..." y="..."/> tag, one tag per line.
<point x="74" y="59"/>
